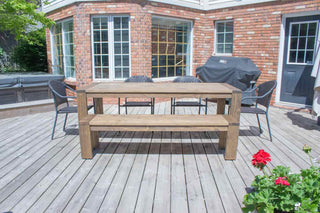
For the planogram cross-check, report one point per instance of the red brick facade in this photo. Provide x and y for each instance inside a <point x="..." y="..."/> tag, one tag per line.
<point x="256" y="31"/>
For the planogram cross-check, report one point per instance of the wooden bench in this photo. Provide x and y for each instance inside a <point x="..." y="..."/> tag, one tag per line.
<point x="92" y="124"/>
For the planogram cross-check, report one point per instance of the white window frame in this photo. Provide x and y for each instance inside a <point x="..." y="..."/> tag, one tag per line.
<point x="216" y="38"/>
<point x="52" y="40"/>
<point x="189" y="72"/>
<point x="110" y="47"/>
<point x="289" y="42"/>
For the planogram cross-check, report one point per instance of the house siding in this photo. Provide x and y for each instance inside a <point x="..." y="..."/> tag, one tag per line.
<point x="256" y="32"/>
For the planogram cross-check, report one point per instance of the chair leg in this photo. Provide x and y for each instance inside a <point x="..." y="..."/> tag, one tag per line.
<point x="206" y="107"/>
<point x="54" y="126"/>
<point x="199" y="106"/>
<point x="126" y="105"/>
<point x="65" y="122"/>
<point x="259" y="123"/>
<point x="119" y="106"/>
<point x="171" y="108"/>
<point x="267" y="117"/>
<point x="152" y="105"/>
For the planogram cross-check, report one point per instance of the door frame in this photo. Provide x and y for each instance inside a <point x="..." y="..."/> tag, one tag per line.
<point x="281" y="55"/>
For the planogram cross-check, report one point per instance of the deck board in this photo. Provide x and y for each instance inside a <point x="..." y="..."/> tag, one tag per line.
<point x="141" y="171"/>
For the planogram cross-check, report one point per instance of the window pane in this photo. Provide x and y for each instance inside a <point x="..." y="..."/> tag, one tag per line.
<point x="125" y="35"/>
<point x="104" y="35"/>
<point x="229" y="37"/>
<point x="105" y="48"/>
<point x="310" y="44"/>
<point x="155" y="73"/>
<point x="228" y="48"/>
<point x="96" y="23"/>
<point x="125" y="60"/>
<point x="162" y="60"/>
<point x="220" y="38"/>
<point x="117" y="48"/>
<point x="117" y="35"/>
<point x="125" y="72"/>
<point x="162" y="72"/>
<point x="292" y="57"/>
<point x="171" y="71"/>
<point x="117" y="72"/>
<point x="229" y="27"/>
<point x="303" y="29"/>
<point x="312" y="29"/>
<point x="97" y="61"/>
<point x="125" y="23"/>
<point x="105" y="72"/>
<point x="97" y="73"/>
<point x="97" y="49"/>
<point x="220" y="27"/>
<point x="117" y="22"/>
<point x="294" y="29"/>
<point x="125" y="48"/>
<point x="105" y="60"/>
<point x="302" y="43"/>
<point x="117" y="60"/>
<point x="294" y="43"/>
<point x="300" y="57"/>
<point x="104" y="23"/>
<point x="96" y="36"/>
<point x="309" y="57"/>
<point x="220" y="48"/>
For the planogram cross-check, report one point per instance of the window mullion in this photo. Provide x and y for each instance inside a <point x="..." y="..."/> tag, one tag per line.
<point x="63" y="49"/>
<point x="111" y="48"/>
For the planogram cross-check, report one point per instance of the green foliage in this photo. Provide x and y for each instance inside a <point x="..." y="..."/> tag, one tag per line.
<point x="302" y="195"/>
<point x="32" y="56"/>
<point x="18" y="16"/>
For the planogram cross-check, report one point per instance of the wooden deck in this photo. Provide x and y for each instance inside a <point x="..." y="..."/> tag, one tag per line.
<point x="141" y="171"/>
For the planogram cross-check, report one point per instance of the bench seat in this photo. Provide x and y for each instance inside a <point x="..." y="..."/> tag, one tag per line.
<point x="92" y="124"/>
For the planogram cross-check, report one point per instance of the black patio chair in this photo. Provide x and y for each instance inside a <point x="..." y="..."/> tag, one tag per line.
<point x="174" y="103"/>
<point x="61" y="103"/>
<point x="263" y="98"/>
<point x="137" y="79"/>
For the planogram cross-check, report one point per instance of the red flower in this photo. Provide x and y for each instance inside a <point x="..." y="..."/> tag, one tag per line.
<point x="260" y="159"/>
<point x="282" y="181"/>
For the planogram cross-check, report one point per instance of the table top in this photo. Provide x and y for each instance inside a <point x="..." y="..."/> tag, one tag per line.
<point x="161" y="88"/>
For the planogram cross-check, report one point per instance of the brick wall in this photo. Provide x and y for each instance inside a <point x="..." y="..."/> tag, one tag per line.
<point x="256" y="32"/>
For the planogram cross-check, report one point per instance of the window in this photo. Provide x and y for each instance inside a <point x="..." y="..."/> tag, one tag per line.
<point x="224" y="37"/>
<point x="63" y="49"/>
<point x="111" y="47"/>
<point x="171" y="47"/>
<point x="302" y="42"/>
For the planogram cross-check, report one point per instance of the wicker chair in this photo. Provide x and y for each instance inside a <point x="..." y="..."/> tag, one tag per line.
<point x="263" y="98"/>
<point x="137" y="79"/>
<point x="174" y="103"/>
<point x="61" y="103"/>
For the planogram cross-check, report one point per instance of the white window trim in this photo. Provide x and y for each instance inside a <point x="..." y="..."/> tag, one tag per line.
<point x="189" y="72"/>
<point x="52" y="40"/>
<point x="216" y="40"/>
<point x="110" y="47"/>
<point x="289" y="42"/>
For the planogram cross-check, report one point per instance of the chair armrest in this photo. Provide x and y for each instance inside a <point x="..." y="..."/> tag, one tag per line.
<point x="61" y="96"/>
<point x="69" y="88"/>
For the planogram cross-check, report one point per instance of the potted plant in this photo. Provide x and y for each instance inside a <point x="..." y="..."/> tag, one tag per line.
<point x="281" y="191"/>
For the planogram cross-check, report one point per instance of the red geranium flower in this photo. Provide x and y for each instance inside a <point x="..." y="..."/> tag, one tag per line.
<point x="282" y="181"/>
<point x="260" y="159"/>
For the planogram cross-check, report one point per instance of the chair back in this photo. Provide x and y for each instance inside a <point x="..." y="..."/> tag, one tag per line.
<point x="186" y="79"/>
<point x="139" y="79"/>
<point x="58" y="89"/>
<point x="265" y="89"/>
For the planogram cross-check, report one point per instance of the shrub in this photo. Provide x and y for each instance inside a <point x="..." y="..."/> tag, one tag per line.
<point x="31" y="55"/>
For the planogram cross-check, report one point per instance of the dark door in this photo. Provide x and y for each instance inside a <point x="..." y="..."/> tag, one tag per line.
<point x="301" y="35"/>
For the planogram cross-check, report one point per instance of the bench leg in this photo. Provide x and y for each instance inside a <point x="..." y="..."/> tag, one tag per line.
<point x="95" y="139"/>
<point x="222" y="140"/>
<point x="86" y="141"/>
<point x="232" y="142"/>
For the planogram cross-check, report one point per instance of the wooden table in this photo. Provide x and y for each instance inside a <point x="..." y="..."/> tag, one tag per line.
<point x="218" y="91"/>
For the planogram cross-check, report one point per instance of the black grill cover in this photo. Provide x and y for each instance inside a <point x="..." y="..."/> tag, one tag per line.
<point x="233" y="70"/>
<point x="238" y="72"/>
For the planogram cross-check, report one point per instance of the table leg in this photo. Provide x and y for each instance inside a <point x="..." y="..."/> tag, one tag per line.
<point x="98" y="105"/>
<point x="221" y="105"/>
<point x="84" y="130"/>
<point x="232" y="135"/>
